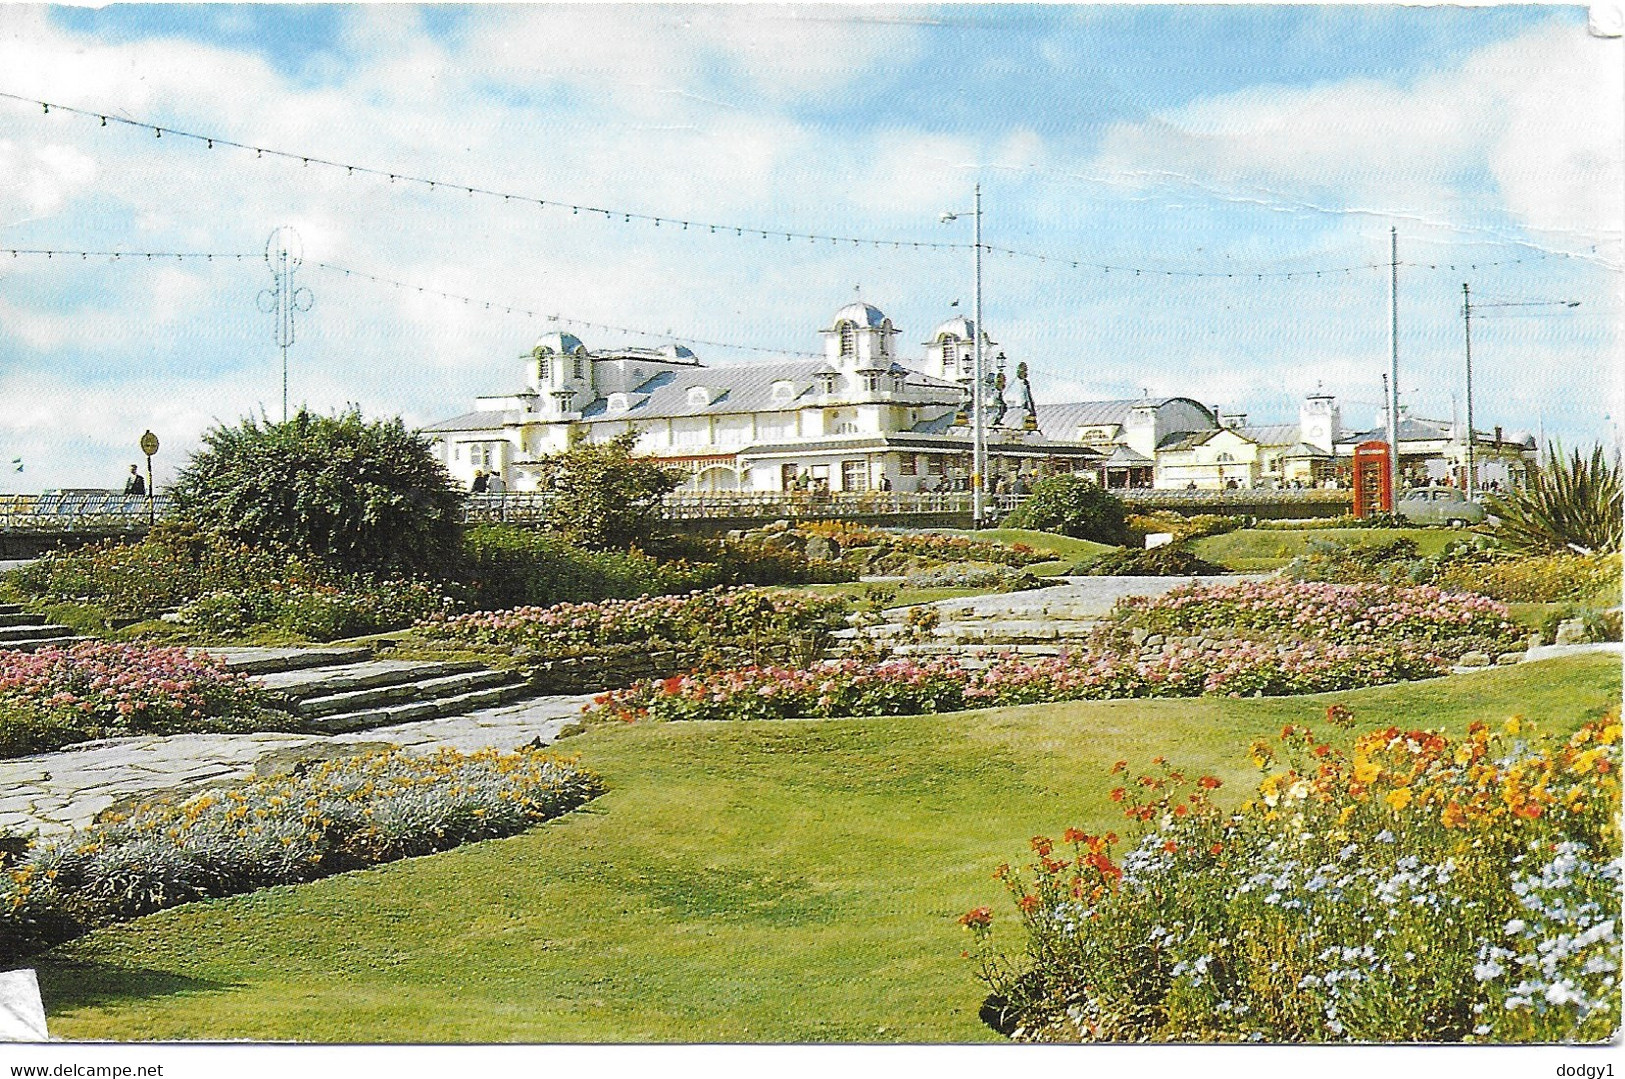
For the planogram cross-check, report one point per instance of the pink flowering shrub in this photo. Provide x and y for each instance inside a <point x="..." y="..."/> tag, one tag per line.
<point x="743" y="617"/>
<point x="854" y="687"/>
<point x="1342" y="613"/>
<point x="98" y="690"/>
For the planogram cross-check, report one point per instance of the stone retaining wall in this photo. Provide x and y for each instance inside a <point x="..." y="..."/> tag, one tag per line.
<point x="588" y="674"/>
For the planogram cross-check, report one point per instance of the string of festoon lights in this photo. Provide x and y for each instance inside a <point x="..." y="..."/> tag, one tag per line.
<point x="563" y="320"/>
<point x="755" y="232"/>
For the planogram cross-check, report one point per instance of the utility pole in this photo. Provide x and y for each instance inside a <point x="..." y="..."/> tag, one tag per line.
<point x="1472" y="436"/>
<point x="979" y="441"/>
<point x="1393" y="381"/>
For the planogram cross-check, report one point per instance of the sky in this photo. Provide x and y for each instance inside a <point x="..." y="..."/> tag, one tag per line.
<point x="1202" y="146"/>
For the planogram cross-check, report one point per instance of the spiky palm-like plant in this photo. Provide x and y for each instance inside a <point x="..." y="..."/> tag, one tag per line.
<point x="1569" y="503"/>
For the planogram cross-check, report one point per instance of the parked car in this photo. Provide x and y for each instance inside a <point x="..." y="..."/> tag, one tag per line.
<point x="1439" y="506"/>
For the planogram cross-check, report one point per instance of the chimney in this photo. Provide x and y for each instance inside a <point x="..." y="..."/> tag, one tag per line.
<point x="1498" y="434"/>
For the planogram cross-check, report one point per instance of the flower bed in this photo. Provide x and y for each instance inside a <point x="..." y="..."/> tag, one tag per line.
<point x="740" y="617"/>
<point x="1364" y="613"/>
<point x="1412" y="889"/>
<point x="297" y="826"/>
<point x="95" y="690"/>
<point x="855" y="687"/>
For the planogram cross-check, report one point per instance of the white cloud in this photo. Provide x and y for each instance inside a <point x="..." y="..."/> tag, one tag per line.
<point x="1542" y="114"/>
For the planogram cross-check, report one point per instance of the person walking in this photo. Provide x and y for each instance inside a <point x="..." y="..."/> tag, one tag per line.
<point x="480" y="484"/>
<point x="495" y="484"/>
<point x="135" y="485"/>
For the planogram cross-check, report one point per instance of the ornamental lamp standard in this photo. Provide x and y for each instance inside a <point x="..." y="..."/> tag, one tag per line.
<point x="149" y="446"/>
<point x="978" y="477"/>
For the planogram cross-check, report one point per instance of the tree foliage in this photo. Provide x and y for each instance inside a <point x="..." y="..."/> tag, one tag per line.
<point x="1570" y="503"/>
<point x="1072" y="506"/>
<point x="357" y="495"/>
<point x="606" y="496"/>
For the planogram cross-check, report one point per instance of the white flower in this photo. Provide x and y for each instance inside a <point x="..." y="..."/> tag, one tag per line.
<point x="1485" y="971"/>
<point x="1514" y="927"/>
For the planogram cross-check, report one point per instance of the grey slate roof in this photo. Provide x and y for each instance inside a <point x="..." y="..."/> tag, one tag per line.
<point x="1272" y="434"/>
<point x="473" y="421"/>
<point x="1411" y="429"/>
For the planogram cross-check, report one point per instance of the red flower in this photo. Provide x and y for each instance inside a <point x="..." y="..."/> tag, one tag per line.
<point x="1072" y="835"/>
<point x="1028" y="903"/>
<point x="1209" y="783"/>
<point x="1170" y="846"/>
<point x="1216" y="848"/>
<point x="1117" y="794"/>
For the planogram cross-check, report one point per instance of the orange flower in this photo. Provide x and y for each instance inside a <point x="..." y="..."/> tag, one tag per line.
<point x="1117" y="794"/>
<point x="1217" y="847"/>
<point x="1028" y="903"/>
<point x="1209" y="783"/>
<point x="1180" y="811"/>
<point x="1170" y="846"/>
<point x="1118" y="767"/>
<point x="1072" y="835"/>
<point x="980" y="918"/>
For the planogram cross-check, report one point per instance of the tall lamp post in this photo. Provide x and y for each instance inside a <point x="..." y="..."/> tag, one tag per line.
<point x="978" y="478"/>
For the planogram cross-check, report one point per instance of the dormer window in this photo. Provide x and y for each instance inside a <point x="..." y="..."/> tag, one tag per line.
<point x="698" y="397"/>
<point x="618" y="402"/>
<point x="826" y="383"/>
<point x="784" y="390"/>
<point x="871" y="381"/>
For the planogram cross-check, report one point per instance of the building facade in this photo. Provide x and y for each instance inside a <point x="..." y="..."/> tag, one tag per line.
<point x="859" y="419"/>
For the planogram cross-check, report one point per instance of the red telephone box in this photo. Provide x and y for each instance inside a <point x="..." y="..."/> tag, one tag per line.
<point x="1373" y="481"/>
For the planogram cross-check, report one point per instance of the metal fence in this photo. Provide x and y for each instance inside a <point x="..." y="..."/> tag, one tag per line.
<point x="110" y="512"/>
<point x="81" y="511"/>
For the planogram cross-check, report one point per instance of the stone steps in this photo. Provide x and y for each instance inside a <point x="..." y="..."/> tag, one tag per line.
<point x="265" y="661"/>
<point x="340" y="689"/>
<point x="20" y="618"/>
<point x="58" y="637"/>
<point x="389" y="715"/>
<point x="408" y="689"/>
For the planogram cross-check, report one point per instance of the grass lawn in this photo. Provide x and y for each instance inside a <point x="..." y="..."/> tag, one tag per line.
<point x="795" y="881"/>
<point x="1249" y="549"/>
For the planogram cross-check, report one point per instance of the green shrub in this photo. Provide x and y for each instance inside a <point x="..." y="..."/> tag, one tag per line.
<point x="971" y="575"/>
<point x="360" y="496"/>
<point x="1170" y="560"/>
<point x="606" y="496"/>
<point x="513" y="567"/>
<point x="1072" y="506"/>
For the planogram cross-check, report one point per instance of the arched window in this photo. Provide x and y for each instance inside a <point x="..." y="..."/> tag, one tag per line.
<point x="849" y="339"/>
<point x="1227" y="458"/>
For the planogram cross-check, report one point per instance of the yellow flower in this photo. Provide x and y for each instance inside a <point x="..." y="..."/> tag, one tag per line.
<point x="1514" y="725"/>
<point x="1399" y="798"/>
<point x="1365" y="771"/>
